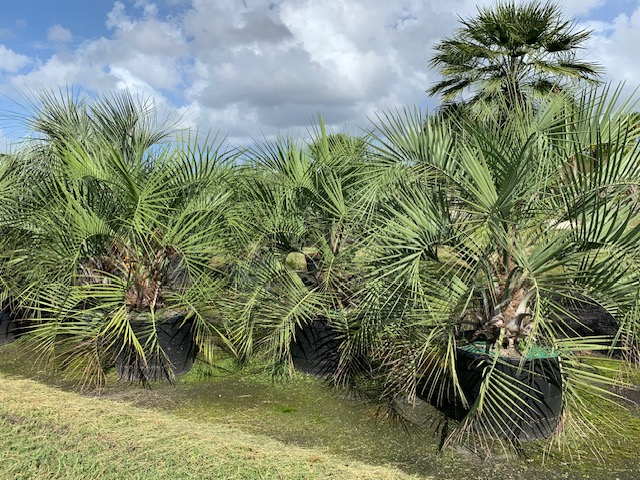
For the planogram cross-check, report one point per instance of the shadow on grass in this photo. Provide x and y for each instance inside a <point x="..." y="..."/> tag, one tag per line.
<point x="304" y="412"/>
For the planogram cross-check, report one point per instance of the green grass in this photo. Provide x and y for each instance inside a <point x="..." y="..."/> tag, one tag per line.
<point x="49" y="433"/>
<point x="243" y="425"/>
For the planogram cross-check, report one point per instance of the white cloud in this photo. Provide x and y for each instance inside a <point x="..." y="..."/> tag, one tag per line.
<point x="117" y="18"/>
<point x="252" y="67"/>
<point x="11" y="61"/>
<point x="576" y="8"/>
<point x="55" y="72"/>
<point x="336" y="44"/>
<point x="59" y="34"/>
<point x="615" y="45"/>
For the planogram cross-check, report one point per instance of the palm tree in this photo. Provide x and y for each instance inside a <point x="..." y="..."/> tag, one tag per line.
<point x="496" y="227"/>
<point x="513" y="49"/>
<point x="305" y="204"/>
<point x="123" y="229"/>
<point x="442" y="241"/>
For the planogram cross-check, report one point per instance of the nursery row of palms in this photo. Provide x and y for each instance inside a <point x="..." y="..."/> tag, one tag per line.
<point x="419" y="237"/>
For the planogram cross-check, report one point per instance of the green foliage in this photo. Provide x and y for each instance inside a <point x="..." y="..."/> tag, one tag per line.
<point x="424" y="235"/>
<point x="489" y="233"/>
<point x="117" y="218"/>
<point x="308" y="212"/>
<point x="514" y="50"/>
<point x="439" y="232"/>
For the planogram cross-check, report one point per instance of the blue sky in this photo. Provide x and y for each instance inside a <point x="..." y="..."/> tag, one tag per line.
<point x="250" y="68"/>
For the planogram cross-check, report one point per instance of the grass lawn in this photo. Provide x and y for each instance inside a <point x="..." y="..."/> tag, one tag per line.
<point x="48" y="433"/>
<point x="244" y="426"/>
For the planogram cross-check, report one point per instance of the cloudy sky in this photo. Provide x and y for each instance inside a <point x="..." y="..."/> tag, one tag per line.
<point x="250" y="68"/>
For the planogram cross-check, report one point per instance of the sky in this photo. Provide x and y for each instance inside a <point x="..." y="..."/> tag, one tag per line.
<point x="251" y="69"/>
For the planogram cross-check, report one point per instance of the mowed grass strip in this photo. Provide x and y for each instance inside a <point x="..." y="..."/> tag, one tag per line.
<point x="47" y="433"/>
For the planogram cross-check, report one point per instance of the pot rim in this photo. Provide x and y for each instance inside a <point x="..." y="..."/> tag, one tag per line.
<point x="532" y="352"/>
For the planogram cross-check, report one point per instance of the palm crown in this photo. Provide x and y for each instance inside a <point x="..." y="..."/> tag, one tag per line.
<point x="514" y="49"/>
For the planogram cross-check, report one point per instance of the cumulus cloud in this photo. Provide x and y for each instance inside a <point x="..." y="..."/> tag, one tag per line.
<point x="253" y="67"/>
<point x="574" y="8"/>
<point x="11" y="61"/>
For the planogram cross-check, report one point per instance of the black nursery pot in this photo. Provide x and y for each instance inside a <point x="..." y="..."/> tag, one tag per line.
<point x="8" y="328"/>
<point x="539" y="403"/>
<point x="315" y="349"/>
<point x="175" y="337"/>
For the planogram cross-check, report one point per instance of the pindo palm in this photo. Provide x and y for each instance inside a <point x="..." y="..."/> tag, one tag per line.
<point x="120" y="227"/>
<point x="495" y="228"/>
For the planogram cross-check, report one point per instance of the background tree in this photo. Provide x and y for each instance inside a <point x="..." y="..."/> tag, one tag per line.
<point x="513" y="50"/>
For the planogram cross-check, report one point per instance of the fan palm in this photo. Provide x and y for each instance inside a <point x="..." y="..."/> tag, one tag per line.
<point x="513" y="49"/>
<point x="120" y="224"/>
